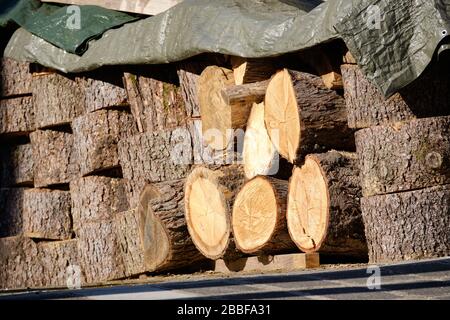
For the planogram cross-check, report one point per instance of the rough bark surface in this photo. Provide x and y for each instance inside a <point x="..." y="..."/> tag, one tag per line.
<point x="126" y="229"/>
<point x="17" y="116"/>
<point x="163" y="228"/>
<point x="100" y="253"/>
<point x="96" y="198"/>
<point x="189" y="73"/>
<point x="96" y="136"/>
<point x="20" y="263"/>
<point x="16" y="166"/>
<point x="57" y="100"/>
<point x="409" y="225"/>
<point x="53" y="158"/>
<point x="155" y="104"/>
<point x="102" y="92"/>
<point x="428" y="96"/>
<point x="60" y="263"/>
<point x="404" y="156"/>
<point x="46" y="214"/>
<point x="15" y="77"/>
<point x="154" y="157"/>
<point x="11" y="212"/>
<point x="345" y="230"/>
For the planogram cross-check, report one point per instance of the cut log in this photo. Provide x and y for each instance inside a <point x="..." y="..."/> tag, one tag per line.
<point x="404" y="156"/>
<point x="204" y="154"/>
<point x="53" y="158"/>
<point x="348" y="58"/>
<point x="324" y="213"/>
<point x="16" y="166"/>
<point x="101" y="91"/>
<point x="17" y="116"/>
<point x="126" y="229"/>
<point x="20" y="263"/>
<point x="163" y="229"/>
<point x="428" y="96"/>
<point x="259" y="217"/>
<point x="303" y="116"/>
<point x="100" y="253"/>
<point x="15" y="78"/>
<point x="57" y="100"/>
<point x="189" y="74"/>
<point x="154" y="157"/>
<point x="219" y="119"/>
<point x="96" y="198"/>
<point x="60" y="264"/>
<point x="245" y="94"/>
<point x="252" y="70"/>
<point x="46" y="214"/>
<point x="209" y="196"/>
<point x="156" y="104"/>
<point x="11" y="212"/>
<point x="259" y="155"/>
<point x="96" y="136"/>
<point x="408" y="225"/>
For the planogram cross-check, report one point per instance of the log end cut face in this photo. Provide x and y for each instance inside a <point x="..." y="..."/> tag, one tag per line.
<point x="308" y="206"/>
<point x="215" y="112"/>
<point x="207" y="213"/>
<point x="282" y="115"/>
<point x="153" y="234"/>
<point x="259" y="153"/>
<point x="255" y="215"/>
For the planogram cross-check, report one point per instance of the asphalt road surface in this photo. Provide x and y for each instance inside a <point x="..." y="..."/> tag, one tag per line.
<point x="419" y="280"/>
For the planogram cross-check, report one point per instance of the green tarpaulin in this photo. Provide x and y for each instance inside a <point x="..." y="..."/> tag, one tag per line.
<point x="60" y="25"/>
<point x="392" y="40"/>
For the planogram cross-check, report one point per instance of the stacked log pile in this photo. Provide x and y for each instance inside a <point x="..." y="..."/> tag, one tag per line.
<point x="402" y="146"/>
<point x="125" y="171"/>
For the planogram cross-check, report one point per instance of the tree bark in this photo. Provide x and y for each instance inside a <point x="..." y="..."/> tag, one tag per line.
<point x="16" y="163"/>
<point x="154" y="157"/>
<point x="103" y="91"/>
<point x="408" y="225"/>
<point x="126" y="229"/>
<point x="57" y="100"/>
<point x="303" y="116"/>
<point x="46" y="214"/>
<point x="259" y="217"/>
<point x="324" y="212"/>
<point x="209" y="197"/>
<point x="189" y="74"/>
<point x="163" y="229"/>
<point x="156" y="104"/>
<point x="96" y="198"/>
<point x="53" y="158"/>
<point x="100" y="253"/>
<point x="220" y="119"/>
<point x="15" y="78"/>
<point x="427" y="96"/>
<point x="20" y="263"/>
<point x="11" y="212"/>
<point x="17" y="116"/>
<point x="404" y="156"/>
<point x="96" y="136"/>
<point x="252" y="70"/>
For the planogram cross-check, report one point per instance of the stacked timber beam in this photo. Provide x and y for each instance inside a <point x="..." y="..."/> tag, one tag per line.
<point x="402" y="147"/>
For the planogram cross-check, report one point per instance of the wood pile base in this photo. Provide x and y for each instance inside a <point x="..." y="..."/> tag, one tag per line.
<point x="266" y="263"/>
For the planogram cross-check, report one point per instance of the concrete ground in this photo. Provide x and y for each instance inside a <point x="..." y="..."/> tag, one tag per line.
<point x="414" y="280"/>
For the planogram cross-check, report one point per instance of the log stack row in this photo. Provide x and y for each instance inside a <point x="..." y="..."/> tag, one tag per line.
<point x="402" y="146"/>
<point x="134" y="170"/>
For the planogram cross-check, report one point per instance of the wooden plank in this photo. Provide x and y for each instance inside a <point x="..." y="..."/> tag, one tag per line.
<point x="149" y="7"/>
<point x="270" y="263"/>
